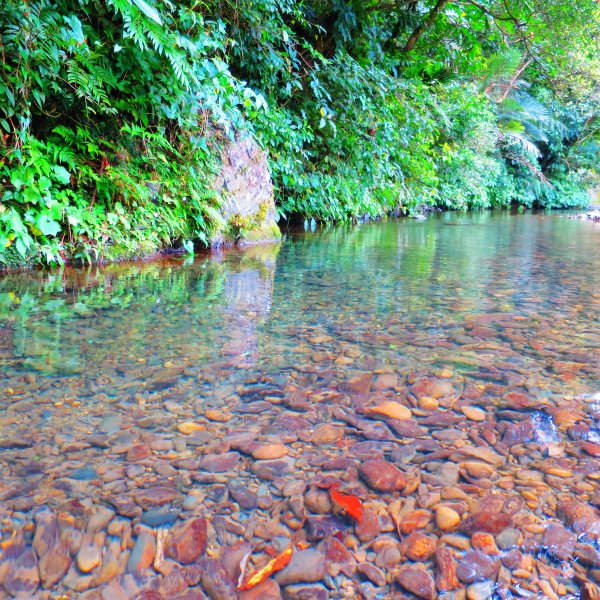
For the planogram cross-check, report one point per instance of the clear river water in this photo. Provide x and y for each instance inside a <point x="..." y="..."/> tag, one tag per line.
<point x="168" y="428"/>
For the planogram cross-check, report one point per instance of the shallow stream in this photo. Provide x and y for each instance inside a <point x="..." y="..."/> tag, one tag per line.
<point x="166" y="426"/>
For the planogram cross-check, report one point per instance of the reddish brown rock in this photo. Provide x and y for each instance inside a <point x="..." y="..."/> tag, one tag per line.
<point x="326" y="434"/>
<point x="591" y="449"/>
<point x="360" y="384"/>
<point x="372" y="573"/>
<point x="589" y="591"/>
<point x="580" y="516"/>
<point x="215" y="581"/>
<point x="142" y="555"/>
<point x="386" y="381"/>
<point x="382" y="476"/>
<point x="521" y="401"/>
<point x="220" y="463"/>
<point x="338" y="557"/>
<point x="417" y="582"/>
<point x="416" y="519"/>
<point x="485" y="542"/>
<point x="418" y="546"/>
<point x="155" y="496"/>
<point x="492" y="514"/>
<point x="22" y="578"/>
<point x="138" y="452"/>
<point x="445" y="570"/>
<point x="187" y="542"/>
<point x="267" y="590"/>
<point x="368" y="527"/>
<point x="54" y="564"/>
<point x="476" y="566"/>
<point x="306" y="566"/>
<point x="559" y="542"/>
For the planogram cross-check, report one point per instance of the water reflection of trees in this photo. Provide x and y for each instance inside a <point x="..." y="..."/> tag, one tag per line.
<point x="65" y="320"/>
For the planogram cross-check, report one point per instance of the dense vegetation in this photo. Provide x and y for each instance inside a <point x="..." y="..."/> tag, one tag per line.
<point x="112" y="112"/>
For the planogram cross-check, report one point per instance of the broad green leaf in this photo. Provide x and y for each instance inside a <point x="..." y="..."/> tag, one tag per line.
<point x="61" y="174"/>
<point x="32" y="195"/>
<point x="148" y="10"/>
<point x="46" y="225"/>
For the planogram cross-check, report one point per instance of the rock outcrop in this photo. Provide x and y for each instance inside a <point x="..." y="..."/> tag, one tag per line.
<point x="246" y="191"/>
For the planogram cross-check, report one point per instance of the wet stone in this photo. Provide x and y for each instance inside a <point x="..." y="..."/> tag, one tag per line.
<point x="138" y="452"/>
<point x="581" y="517"/>
<point x="269" y="451"/>
<point x="187" y="542"/>
<point x="215" y="580"/>
<point x="142" y="555"/>
<point x="446" y="518"/>
<point x="241" y="494"/>
<point x="483" y="590"/>
<point x="83" y="474"/>
<point x="382" y="476"/>
<point x="306" y="566"/>
<point x="509" y="538"/>
<point x="303" y="591"/>
<point x="267" y="590"/>
<point x="559" y="542"/>
<point x="372" y="573"/>
<point x="22" y="576"/>
<point x="158" y="517"/>
<point x="220" y="463"/>
<point x="272" y="469"/>
<point x="54" y="564"/>
<point x="445" y="570"/>
<point x="111" y="423"/>
<point x="418" y="546"/>
<point x="155" y="496"/>
<point x="476" y="566"/>
<point x="320" y="527"/>
<point x="368" y="527"/>
<point x="89" y="555"/>
<point x="417" y="582"/>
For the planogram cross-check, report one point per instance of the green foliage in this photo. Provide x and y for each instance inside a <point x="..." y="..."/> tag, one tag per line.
<point x="113" y="112"/>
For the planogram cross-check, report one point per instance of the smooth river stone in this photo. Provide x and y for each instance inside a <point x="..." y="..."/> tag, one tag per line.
<point x="445" y="570"/>
<point x="391" y="409"/>
<point x="417" y="582"/>
<point x="269" y="451"/>
<point x="306" y="566"/>
<point x="187" y="542"/>
<point x="111" y="423"/>
<point x="272" y="469"/>
<point x="386" y="381"/>
<point x="326" y="434"/>
<point x="559" y="542"/>
<point x="580" y="516"/>
<point x="142" y="555"/>
<point x="220" y="463"/>
<point x="22" y="577"/>
<point x="476" y="566"/>
<point x="473" y="413"/>
<point x="418" y="546"/>
<point x="382" y="476"/>
<point x="155" y="496"/>
<point x="89" y="555"/>
<point x="446" y="518"/>
<point x="54" y="564"/>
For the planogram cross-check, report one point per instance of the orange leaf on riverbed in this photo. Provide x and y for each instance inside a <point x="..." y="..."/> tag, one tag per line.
<point x="273" y="566"/>
<point x="348" y="503"/>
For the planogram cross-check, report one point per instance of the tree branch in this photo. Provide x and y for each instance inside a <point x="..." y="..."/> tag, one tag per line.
<point x="423" y="27"/>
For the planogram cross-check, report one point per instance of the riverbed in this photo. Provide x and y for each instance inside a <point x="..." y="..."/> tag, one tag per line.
<point x="170" y="428"/>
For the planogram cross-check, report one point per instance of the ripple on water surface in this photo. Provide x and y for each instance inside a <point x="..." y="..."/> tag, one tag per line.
<point x="403" y="409"/>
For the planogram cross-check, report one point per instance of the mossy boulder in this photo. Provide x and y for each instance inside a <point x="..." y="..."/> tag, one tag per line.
<point x="246" y="191"/>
